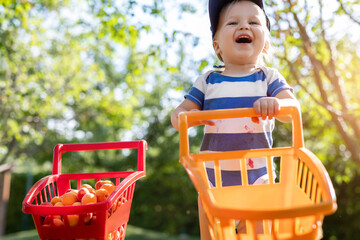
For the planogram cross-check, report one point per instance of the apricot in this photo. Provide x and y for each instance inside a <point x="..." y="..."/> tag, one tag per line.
<point x="82" y="191"/>
<point x="109" y="237"/>
<point x="69" y="198"/>
<point x="115" y="206"/>
<point x="72" y="190"/>
<point x="55" y="199"/>
<point x="88" y="217"/>
<point x="122" y="231"/>
<point x="116" y="235"/>
<point x="58" y="222"/>
<point x="93" y="219"/>
<point x="56" y="216"/>
<point x="89" y="187"/>
<point x="47" y="220"/>
<point x="108" y="187"/>
<point x="99" y="183"/>
<point x="123" y="200"/>
<point x="101" y="195"/>
<point x="73" y="220"/>
<point x="59" y="204"/>
<point x="89" y="198"/>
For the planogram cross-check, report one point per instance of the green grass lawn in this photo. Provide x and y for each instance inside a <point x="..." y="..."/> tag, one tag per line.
<point x="132" y="233"/>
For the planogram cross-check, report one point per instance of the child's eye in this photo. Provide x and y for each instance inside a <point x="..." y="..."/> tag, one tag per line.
<point x="253" y="23"/>
<point x="232" y="23"/>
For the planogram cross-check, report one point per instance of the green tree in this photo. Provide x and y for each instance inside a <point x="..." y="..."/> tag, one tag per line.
<point x="317" y="55"/>
<point x="83" y="78"/>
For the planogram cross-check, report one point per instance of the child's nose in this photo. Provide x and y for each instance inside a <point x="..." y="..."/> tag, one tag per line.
<point x="244" y="26"/>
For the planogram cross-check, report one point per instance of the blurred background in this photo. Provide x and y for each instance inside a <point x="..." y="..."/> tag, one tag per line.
<point x="76" y="71"/>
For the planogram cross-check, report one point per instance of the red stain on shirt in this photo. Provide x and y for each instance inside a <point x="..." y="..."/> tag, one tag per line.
<point x="248" y="129"/>
<point x="251" y="163"/>
<point x="217" y="130"/>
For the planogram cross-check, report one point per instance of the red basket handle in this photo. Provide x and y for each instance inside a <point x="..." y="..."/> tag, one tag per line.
<point x="59" y="149"/>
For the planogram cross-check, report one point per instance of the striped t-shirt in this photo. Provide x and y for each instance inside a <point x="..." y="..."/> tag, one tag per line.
<point x="213" y="90"/>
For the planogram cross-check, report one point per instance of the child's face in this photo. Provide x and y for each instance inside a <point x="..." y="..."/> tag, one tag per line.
<point x="241" y="34"/>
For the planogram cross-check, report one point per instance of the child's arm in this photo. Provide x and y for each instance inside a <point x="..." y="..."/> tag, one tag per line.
<point x="186" y="106"/>
<point x="270" y="106"/>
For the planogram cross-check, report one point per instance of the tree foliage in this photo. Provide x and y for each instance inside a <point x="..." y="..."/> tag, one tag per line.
<point x="323" y="65"/>
<point x="320" y="59"/>
<point x="108" y="73"/>
<point x="83" y="77"/>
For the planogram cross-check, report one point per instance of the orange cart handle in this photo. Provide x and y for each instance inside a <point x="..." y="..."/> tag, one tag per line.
<point x="185" y="117"/>
<point x="59" y="149"/>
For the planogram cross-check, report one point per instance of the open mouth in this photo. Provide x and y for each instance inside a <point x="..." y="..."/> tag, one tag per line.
<point x="243" y="39"/>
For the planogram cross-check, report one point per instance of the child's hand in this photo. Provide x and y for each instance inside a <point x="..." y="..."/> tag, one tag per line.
<point x="266" y="107"/>
<point x="186" y="106"/>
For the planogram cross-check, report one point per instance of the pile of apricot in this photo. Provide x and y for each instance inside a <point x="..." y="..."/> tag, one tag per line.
<point x="75" y="197"/>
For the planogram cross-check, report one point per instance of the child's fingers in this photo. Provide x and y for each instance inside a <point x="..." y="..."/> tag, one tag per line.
<point x="261" y="108"/>
<point x="270" y="109"/>
<point x="273" y="109"/>
<point x="255" y="119"/>
<point x="206" y="122"/>
<point x="209" y="122"/>
<point x="256" y="107"/>
<point x="264" y="109"/>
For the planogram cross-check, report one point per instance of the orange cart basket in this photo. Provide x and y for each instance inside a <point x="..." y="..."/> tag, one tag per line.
<point x="109" y="218"/>
<point x="290" y="207"/>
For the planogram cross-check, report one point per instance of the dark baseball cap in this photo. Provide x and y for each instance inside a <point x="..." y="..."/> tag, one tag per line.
<point x="215" y="7"/>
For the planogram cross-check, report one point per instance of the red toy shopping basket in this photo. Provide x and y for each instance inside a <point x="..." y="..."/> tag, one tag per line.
<point x="108" y="219"/>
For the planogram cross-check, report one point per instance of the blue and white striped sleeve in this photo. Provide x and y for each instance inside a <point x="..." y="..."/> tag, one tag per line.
<point x="197" y="91"/>
<point x="276" y="82"/>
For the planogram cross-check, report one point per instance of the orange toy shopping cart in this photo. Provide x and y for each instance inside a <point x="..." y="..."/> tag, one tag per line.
<point x="103" y="220"/>
<point x="290" y="206"/>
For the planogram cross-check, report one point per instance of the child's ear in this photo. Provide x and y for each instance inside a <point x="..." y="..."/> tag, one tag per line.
<point x="266" y="47"/>
<point x="216" y="47"/>
<point x="217" y="50"/>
